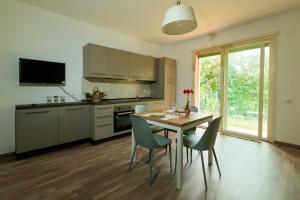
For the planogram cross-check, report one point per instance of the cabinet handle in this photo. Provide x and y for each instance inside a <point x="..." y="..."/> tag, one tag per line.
<point x="137" y="77"/>
<point x="99" y="74"/>
<point x="118" y="75"/>
<point x="71" y="109"/>
<point x="106" y="116"/>
<point x="104" y="108"/>
<point x="104" y="125"/>
<point x="38" y="112"/>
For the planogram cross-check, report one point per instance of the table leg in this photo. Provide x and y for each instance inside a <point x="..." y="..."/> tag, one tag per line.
<point x="210" y="153"/>
<point x="179" y="158"/>
<point x="133" y="145"/>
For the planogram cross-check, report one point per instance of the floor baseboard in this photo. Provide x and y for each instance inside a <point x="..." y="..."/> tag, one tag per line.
<point x="287" y="144"/>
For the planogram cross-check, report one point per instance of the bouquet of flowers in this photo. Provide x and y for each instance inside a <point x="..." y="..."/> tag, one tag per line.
<point x="187" y="92"/>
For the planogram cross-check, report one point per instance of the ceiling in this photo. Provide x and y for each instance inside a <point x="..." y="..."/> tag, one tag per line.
<point x="142" y="18"/>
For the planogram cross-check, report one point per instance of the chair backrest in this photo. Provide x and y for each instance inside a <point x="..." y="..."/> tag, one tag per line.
<point x="208" y="139"/>
<point x="140" y="108"/>
<point x="193" y="108"/>
<point x="142" y="133"/>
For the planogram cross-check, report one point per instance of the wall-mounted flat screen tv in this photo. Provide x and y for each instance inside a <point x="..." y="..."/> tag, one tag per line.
<point x="38" y="72"/>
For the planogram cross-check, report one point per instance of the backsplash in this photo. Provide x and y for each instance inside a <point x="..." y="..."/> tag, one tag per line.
<point x="118" y="90"/>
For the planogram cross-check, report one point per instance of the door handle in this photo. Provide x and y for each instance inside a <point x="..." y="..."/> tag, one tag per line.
<point x="124" y="113"/>
<point x="38" y="112"/>
<point x="118" y="75"/>
<point x="104" y="125"/>
<point x="102" y="74"/>
<point x="106" y="116"/>
<point x="71" y="109"/>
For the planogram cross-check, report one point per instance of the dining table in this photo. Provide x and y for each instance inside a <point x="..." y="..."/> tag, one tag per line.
<point x="177" y="122"/>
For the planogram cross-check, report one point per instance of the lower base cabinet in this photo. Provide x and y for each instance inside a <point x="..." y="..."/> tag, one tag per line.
<point x="45" y="127"/>
<point x="101" y="122"/>
<point x="36" y="129"/>
<point x="73" y="123"/>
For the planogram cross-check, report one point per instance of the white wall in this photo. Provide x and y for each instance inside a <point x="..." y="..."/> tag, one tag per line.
<point x="287" y="128"/>
<point x="31" y="32"/>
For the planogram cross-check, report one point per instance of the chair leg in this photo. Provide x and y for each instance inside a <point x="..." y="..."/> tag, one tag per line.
<point x="166" y="136"/>
<point x="170" y="147"/>
<point x="175" y="157"/>
<point x="187" y="155"/>
<point x="132" y="156"/>
<point x="191" y="155"/>
<point x="203" y="169"/>
<point x="151" y="166"/>
<point x="214" y="153"/>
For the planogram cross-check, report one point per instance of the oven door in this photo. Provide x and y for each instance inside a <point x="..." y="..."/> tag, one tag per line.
<point x="122" y="120"/>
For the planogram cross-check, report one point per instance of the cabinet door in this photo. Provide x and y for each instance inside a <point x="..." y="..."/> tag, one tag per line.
<point x="170" y="69"/>
<point x="95" y="61"/>
<point x="151" y="69"/>
<point x="103" y="130"/>
<point x="73" y="123"/>
<point x="170" y="95"/>
<point x="118" y="64"/>
<point x="137" y="66"/>
<point x="36" y="128"/>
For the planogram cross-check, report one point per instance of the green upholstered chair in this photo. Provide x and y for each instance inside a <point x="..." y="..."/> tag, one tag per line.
<point x="144" y="108"/>
<point x="204" y="143"/>
<point x="143" y="137"/>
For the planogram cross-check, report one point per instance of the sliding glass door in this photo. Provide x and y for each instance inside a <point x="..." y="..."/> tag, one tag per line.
<point x="242" y="92"/>
<point x="210" y="66"/>
<point x="234" y="82"/>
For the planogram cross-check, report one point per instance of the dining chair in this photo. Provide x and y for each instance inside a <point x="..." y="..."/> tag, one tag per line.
<point x="204" y="143"/>
<point x="143" y="136"/>
<point x="143" y="108"/>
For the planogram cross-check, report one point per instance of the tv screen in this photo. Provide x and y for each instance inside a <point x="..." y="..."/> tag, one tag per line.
<point x="38" y="72"/>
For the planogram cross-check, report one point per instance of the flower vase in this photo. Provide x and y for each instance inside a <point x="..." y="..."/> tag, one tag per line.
<point x="187" y="112"/>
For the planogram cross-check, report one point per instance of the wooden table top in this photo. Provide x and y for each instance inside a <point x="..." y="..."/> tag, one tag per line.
<point x="178" y="121"/>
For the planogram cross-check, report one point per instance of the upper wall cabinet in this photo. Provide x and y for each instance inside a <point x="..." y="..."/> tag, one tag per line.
<point x="95" y="61"/>
<point x="118" y="64"/>
<point x="150" y="69"/>
<point x="143" y="68"/>
<point x="103" y="62"/>
<point x="136" y="66"/>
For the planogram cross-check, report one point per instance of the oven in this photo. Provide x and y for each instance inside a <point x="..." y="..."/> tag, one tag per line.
<point x="122" y="118"/>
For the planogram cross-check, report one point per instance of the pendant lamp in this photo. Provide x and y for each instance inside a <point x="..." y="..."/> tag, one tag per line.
<point x="179" y="19"/>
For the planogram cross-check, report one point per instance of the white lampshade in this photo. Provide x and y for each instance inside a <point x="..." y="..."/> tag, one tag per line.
<point x="179" y="19"/>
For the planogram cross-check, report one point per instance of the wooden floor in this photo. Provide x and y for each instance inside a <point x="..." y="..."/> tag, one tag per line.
<point x="250" y="171"/>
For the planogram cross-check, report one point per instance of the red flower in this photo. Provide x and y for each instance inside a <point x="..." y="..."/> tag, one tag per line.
<point x="184" y="91"/>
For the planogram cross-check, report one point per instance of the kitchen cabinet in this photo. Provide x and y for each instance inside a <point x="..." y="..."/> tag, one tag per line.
<point x="108" y="63"/>
<point x="155" y="106"/>
<point x="101" y="122"/>
<point x="137" y="66"/>
<point x="36" y="128"/>
<point x="95" y="61"/>
<point x="150" y="69"/>
<point x="143" y="68"/>
<point x="73" y="123"/>
<point x="165" y="86"/>
<point x="118" y="62"/>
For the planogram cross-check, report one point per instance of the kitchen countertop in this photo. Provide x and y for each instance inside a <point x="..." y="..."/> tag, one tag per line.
<point x="103" y="102"/>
